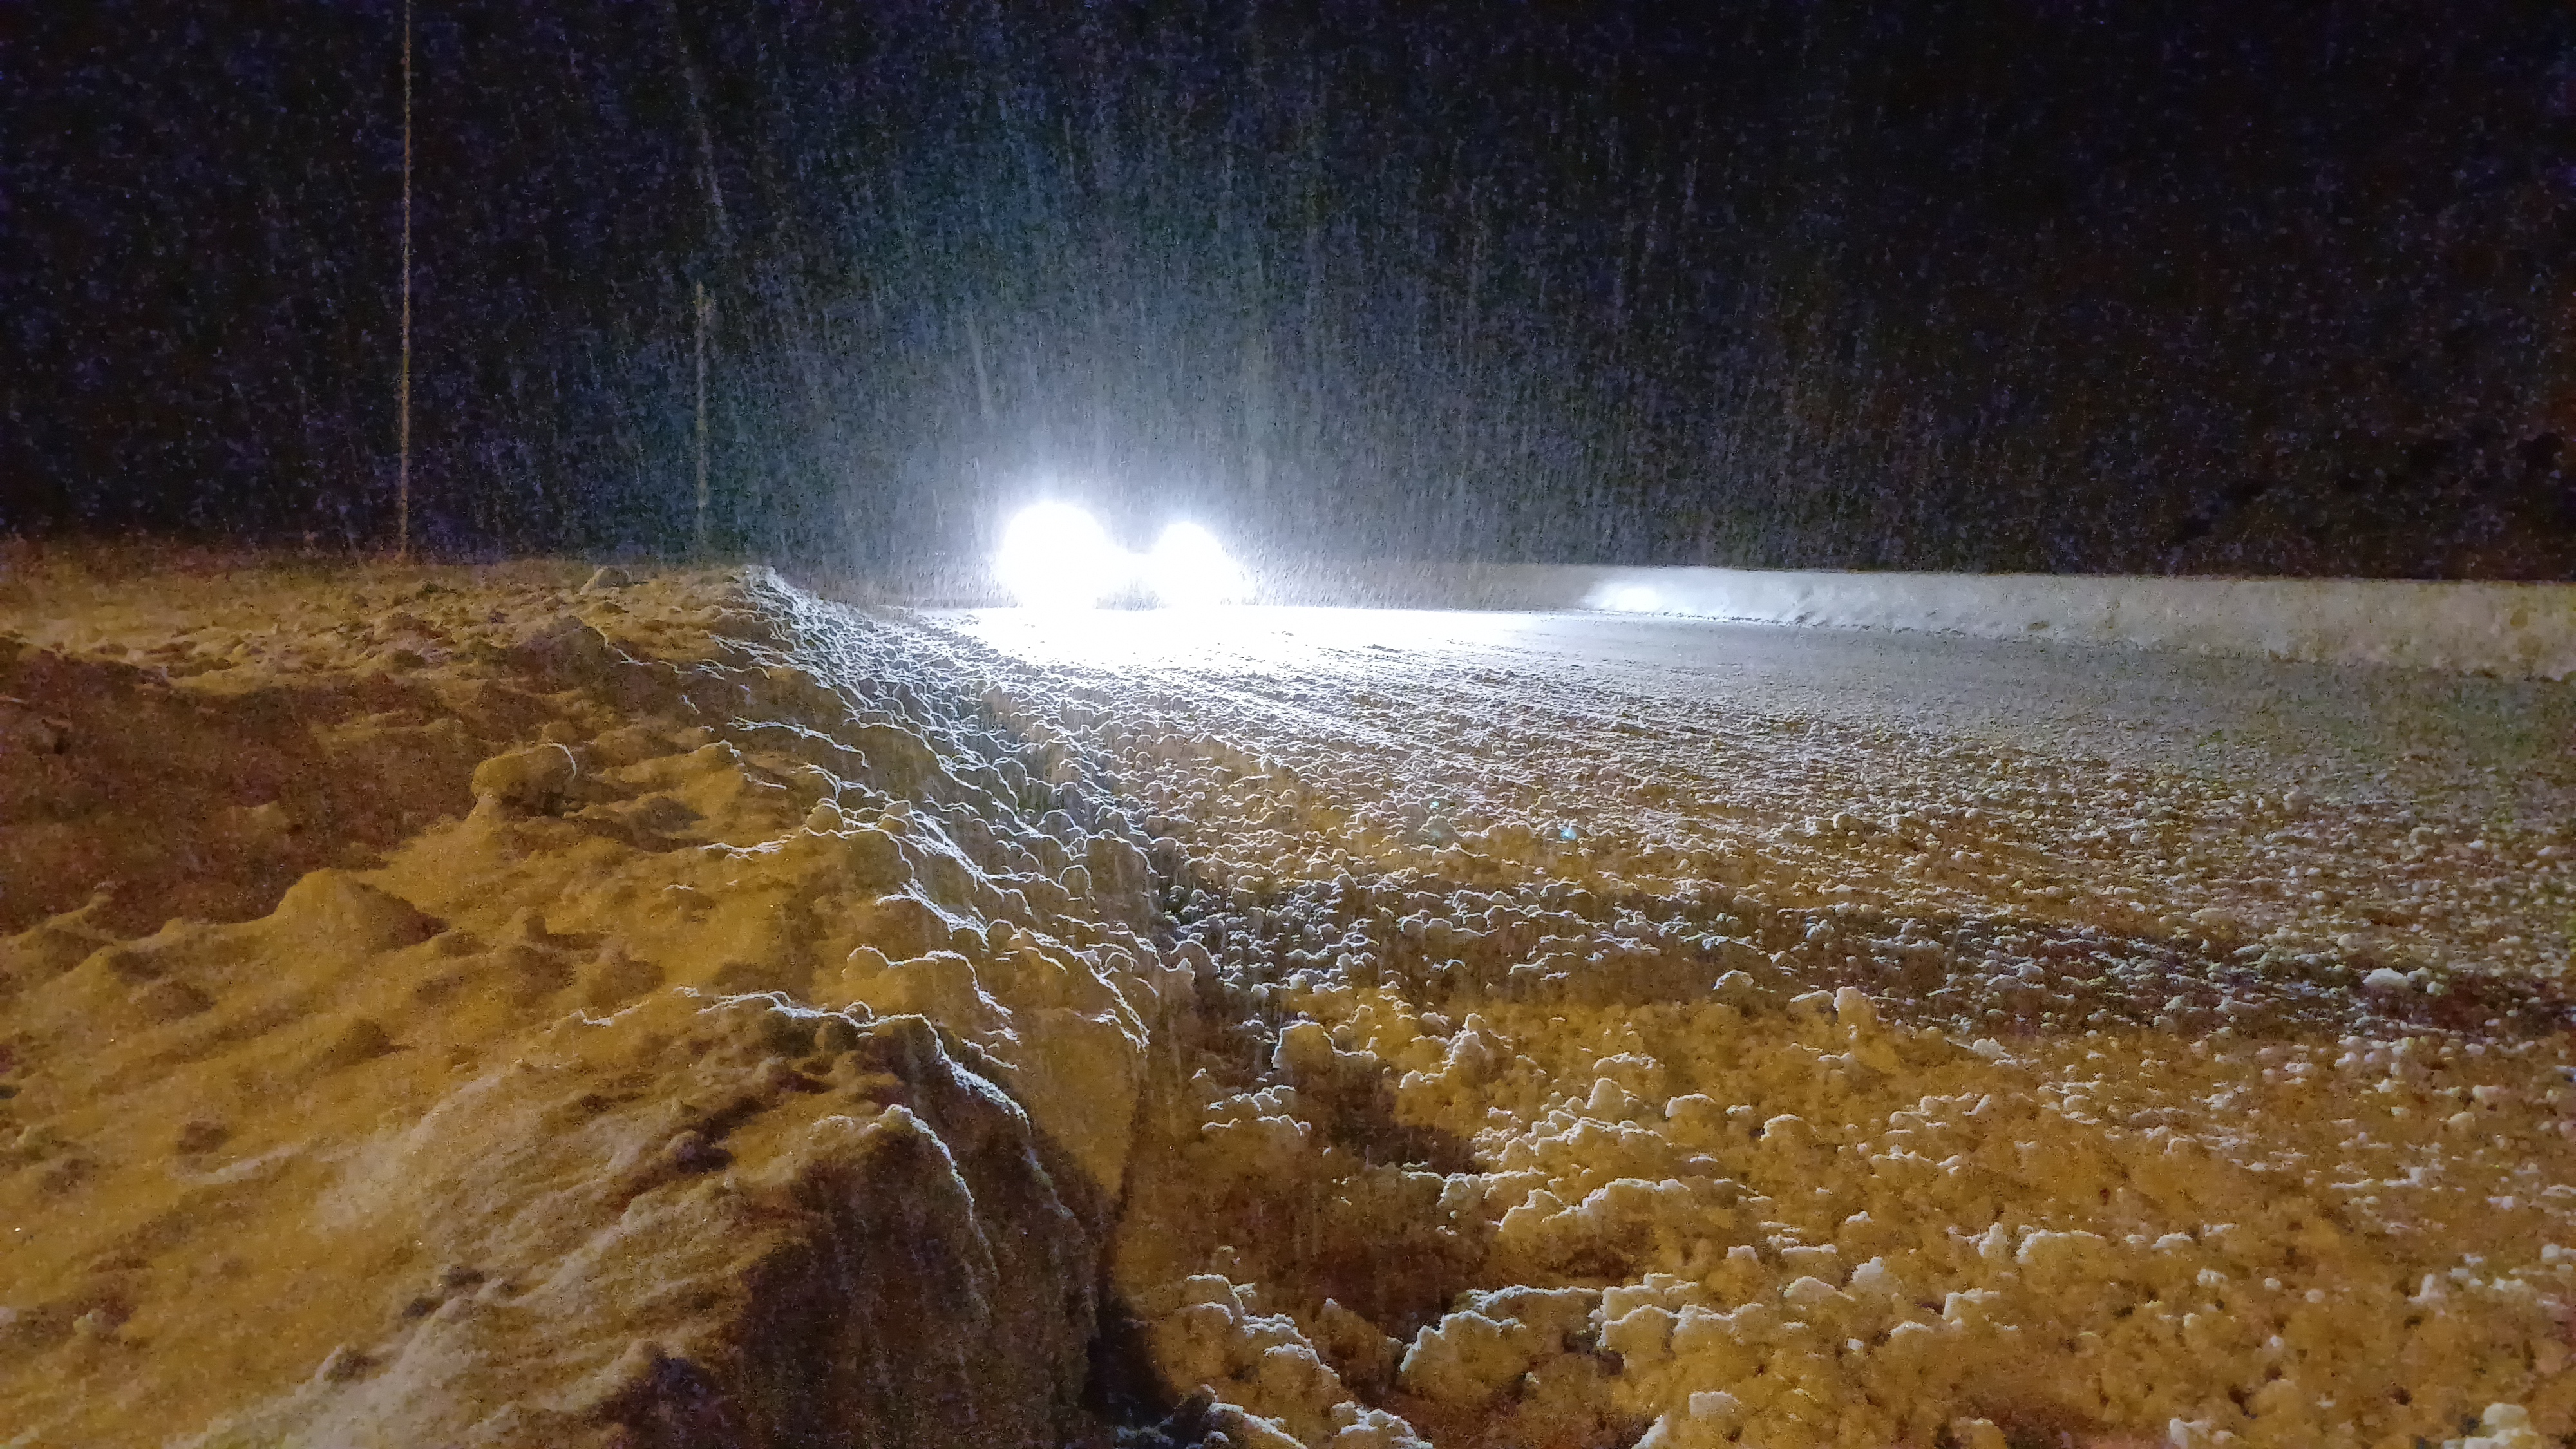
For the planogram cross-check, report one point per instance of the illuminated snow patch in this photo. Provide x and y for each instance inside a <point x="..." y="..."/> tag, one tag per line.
<point x="1627" y="599"/>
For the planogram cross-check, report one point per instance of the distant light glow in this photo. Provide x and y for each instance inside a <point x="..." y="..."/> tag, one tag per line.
<point x="1631" y="599"/>
<point x="1189" y="569"/>
<point x="1055" y="556"/>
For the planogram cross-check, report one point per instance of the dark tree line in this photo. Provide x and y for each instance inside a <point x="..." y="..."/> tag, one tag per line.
<point x="2049" y="284"/>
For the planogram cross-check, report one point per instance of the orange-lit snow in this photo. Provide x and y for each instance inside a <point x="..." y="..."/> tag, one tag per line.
<point x="448" y="1006"/>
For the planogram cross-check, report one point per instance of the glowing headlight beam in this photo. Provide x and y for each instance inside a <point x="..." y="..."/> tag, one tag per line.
<point x="1189" y="569"/>
<point x="1055" y="556"/>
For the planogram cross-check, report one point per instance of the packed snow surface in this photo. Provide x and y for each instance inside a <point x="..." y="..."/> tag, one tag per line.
<point x="528" y="1006"/>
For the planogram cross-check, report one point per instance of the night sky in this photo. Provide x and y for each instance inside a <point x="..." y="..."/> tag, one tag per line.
<point x="2029" y="284"/>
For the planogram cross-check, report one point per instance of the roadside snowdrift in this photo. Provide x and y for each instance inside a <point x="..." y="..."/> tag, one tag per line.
<point x="471" y="1007"/>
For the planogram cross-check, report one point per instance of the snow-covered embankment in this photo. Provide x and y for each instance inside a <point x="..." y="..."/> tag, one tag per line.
<point x="465" y="1006"/>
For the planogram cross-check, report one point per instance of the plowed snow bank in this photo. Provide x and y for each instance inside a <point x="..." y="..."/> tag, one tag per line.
<point x="456" y="1007"/>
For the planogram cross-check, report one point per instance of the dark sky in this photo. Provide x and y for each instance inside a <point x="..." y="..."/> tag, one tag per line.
<point x="2029" y="284"/>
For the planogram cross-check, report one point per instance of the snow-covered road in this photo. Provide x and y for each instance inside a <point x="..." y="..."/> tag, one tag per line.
<point x="2285" y="722"/>
<point x="2182" y="1041"/>
<point x="2423" y="814"/>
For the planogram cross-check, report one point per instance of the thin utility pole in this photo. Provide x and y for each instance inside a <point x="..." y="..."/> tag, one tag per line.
<point x="402" y="388"/>
<point x="704" y="308"/>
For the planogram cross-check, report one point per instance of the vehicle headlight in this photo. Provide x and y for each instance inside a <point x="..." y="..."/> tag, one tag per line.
<point x="1190" y="569"/>
<point x="1055" y="556"/>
